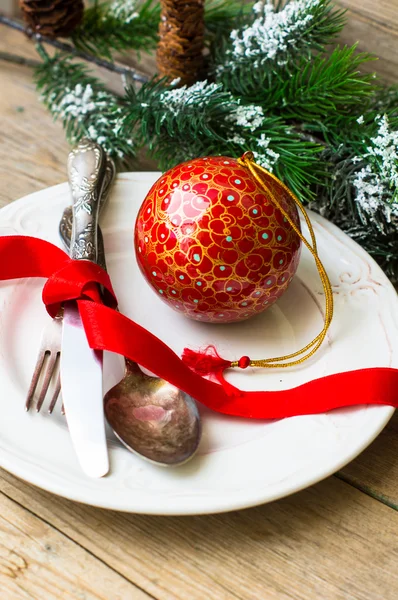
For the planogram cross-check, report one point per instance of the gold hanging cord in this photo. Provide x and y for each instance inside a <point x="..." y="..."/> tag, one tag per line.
<point x="247" y="160"/>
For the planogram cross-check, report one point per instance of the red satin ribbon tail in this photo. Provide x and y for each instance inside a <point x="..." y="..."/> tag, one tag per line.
<point x="107" y="329"/>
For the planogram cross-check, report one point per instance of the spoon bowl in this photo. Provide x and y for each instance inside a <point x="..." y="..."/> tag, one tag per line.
<point x="153" y="418"/>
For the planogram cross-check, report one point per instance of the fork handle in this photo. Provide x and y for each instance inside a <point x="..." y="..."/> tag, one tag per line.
<point x="86" y="173"/>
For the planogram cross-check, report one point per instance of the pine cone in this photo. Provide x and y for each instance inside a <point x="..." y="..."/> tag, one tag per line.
<point x="52" y="18"/>
<point x="181" y="32"/>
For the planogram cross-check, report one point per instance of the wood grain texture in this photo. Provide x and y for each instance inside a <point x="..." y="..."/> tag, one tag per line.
<point x="375" y="471"/>
<point x="374" y="25"/>
<point x="32" y="146"/>
<point x="9" y="7"/>
<point x="38" y="562"/>
<point x="33" y="149"/>
<point x="329" y="542"/>
<point x="333" y="541"/>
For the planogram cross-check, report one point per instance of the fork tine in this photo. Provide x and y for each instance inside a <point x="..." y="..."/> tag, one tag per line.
<point x="47" y="378"/>
<point x="50" y="347"/>
<point x="35" y="378"/>
<point x="56" y="393"/>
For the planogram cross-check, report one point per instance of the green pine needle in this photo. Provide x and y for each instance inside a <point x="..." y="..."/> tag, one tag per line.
<point x="336" y="202"/>
<point x="221" y="16"/>
<point x="103" y="32"/>
<point x="309" y="114"/>
<point x="329" y="84"/>
<point x="250" y="70"/>
<point x="84" y="105"/>
<point x="207" y="125"/>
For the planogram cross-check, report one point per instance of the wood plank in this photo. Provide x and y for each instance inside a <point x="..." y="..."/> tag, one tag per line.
<point x="38" y="562"/>
<point x="8" y="7"/>
<point x="330" y="542"/>
<point x="32" y="146"/>
<point x="374" y="25"/>
<point x="384" y="12"/>
<point x="375" y="471"/>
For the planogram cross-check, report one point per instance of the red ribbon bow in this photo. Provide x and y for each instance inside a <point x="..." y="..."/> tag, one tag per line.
<point x="77" y="280"/>
<point x="107" y="329"/>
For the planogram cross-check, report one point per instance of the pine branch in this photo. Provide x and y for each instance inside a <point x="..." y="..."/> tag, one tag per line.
<point x="120" y="26"/>
<point x="355" y="130"/>
<point x="193" y="110"/>
<point x="110" y="27"/>
<point x="178" y="124"/>
<point x="326" y="85"/>
<point x="367" y="140"/>
<point x="273" y="41"/>
<point x="83" y="104"/>
<point x="19" y="60"/>
<point x="330" y="133"/>
<point x="337" y="202"/>
<point x="69" y="49"/>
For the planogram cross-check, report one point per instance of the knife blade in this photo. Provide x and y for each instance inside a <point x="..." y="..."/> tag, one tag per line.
<point x="80" y="366"/>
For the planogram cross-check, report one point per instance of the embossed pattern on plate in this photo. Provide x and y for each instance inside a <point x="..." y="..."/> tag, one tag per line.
<point x="240" y="463"/>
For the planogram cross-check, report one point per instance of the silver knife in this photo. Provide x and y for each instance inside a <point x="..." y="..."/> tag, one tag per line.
<point x="80" y="366"/>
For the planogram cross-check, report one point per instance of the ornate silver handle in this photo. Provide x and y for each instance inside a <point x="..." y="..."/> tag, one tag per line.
<point x="86" y="173"/>
<point x="65" y="224"/>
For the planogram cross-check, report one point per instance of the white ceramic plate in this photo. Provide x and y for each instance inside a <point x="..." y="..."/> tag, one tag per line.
<point x="240" y="463"/>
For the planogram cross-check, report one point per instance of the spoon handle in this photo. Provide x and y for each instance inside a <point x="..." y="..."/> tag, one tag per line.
<point x="86" y="173"/>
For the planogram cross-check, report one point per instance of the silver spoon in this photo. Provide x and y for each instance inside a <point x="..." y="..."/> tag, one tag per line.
<point x="148" y="415"/>
<point x="153" y="418"/>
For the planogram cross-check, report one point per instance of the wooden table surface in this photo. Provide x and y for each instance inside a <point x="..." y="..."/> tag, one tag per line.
<point x="335" y="540"/>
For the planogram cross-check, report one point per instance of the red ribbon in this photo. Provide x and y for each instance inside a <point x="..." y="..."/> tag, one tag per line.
<point x="107" y="329"/>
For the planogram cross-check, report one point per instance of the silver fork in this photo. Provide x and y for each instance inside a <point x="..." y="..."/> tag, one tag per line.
<point x="51" y="337"/>
<point x="47" y="360"/>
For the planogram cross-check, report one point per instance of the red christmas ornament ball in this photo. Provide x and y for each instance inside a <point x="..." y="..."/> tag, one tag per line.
<point x="211" y="242"/>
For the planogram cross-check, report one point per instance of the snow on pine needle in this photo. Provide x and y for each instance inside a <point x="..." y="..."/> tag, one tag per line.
<point x="96" y="113"/>
<point x="248" y="116"/>
<point x="384" y="150"/>
<point x="240" y="119"/>
<point x="376" y="183"/>
<point x="196" y="95"/>
<point x="272" y="35"/>
<point x="84" y="106"/>
<point x="123" y="10"/>
<point x="265" y="156"/>
<point x="251" y="117"/>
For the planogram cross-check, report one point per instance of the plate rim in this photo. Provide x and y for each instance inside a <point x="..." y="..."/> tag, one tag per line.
<point x="18" y="468"/>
